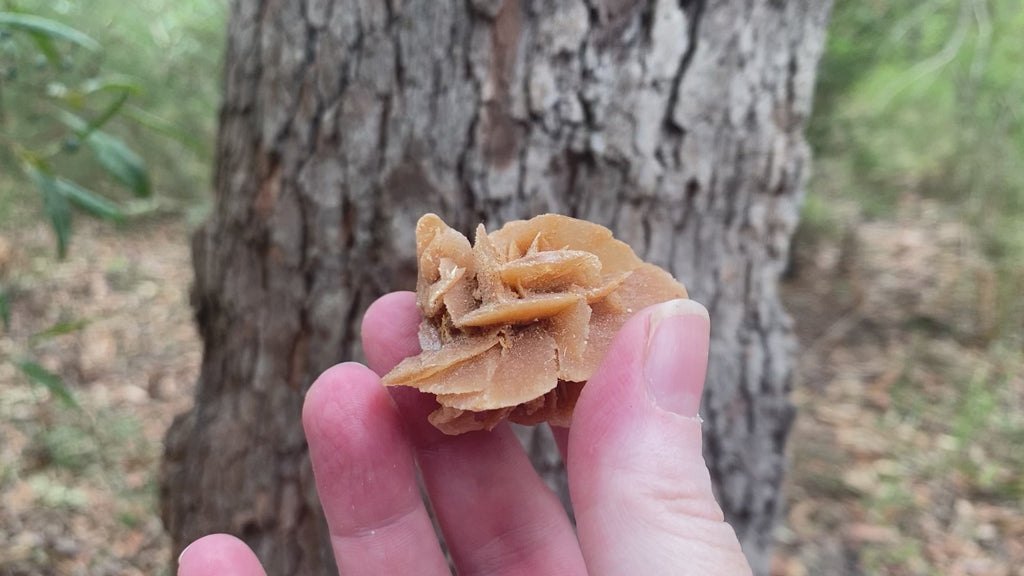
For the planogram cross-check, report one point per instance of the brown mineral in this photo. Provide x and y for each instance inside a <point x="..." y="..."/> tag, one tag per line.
<point x="514" y="325"/>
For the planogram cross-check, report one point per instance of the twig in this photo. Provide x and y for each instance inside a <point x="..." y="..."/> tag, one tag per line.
<point x="824" y="340"/>
<point x="909" y="22"/>
<point x="984" y="38"/>
<point x="936" y="62"/>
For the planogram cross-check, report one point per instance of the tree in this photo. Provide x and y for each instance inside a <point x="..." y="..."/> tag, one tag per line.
<point x="677" y="124"/>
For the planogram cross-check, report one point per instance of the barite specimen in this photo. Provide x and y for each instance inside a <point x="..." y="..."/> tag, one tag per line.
<point x="514" y="325"/>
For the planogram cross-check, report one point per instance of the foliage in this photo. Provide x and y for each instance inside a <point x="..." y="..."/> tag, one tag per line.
<point x="99" y="116"/>
<point x="926" y="98"/>
<point x="78" y="132"/>
<point x="38" y="375"/>
<point x="37" y="145"/>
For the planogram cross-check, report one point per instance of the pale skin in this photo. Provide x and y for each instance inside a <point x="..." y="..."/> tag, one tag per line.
<point x="639" y="485"/>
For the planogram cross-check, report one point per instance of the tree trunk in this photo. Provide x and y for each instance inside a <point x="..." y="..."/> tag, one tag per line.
<point x="678" y="124"/>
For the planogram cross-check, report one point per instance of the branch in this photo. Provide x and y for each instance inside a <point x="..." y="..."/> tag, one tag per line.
<point x="928" y="67"/>
<point x="910" y="21"/>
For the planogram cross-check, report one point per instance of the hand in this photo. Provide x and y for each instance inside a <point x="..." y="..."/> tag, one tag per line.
<point x="640" y="488"/>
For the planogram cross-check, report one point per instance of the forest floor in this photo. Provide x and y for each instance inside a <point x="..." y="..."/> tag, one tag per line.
<point x="905" y="454"/>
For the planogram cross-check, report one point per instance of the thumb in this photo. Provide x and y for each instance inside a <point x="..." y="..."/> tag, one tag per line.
<point x="640" y="488"/>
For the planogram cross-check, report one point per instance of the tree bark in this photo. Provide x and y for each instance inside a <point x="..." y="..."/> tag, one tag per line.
<point x="678" y="124"/>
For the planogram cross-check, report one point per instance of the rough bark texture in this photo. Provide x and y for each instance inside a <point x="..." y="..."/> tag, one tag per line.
<point x="676" y="123"/>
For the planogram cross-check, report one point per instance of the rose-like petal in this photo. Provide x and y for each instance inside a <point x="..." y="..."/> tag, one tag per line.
<point x="609" y="284"/>
<point x="459" y="300"/>
<point x="554" y="232"/>
<point x="648" y="285"/>
<point x="521" y="311"/>
<point x="470" y="376"/>
<point x="555" y="407"/>
<point x="435" y="241"/>
<point x="454" y="421"/>
<point x="416" y="369"/>
<point x="487" y="262"/>
<point x="524" y="370"/>
<point x="571" y="330"/>
<point x="449" y="274"/>
<point x="552" y="270"/>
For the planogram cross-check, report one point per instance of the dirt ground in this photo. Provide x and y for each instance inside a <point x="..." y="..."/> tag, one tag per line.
<point x="904" y="456"/>
<point x="77" y="486"/>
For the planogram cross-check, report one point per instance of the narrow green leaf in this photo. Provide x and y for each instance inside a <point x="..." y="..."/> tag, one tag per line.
<point x="112" y="83"/>
<point x="85" y="128"/>
<point x="162" y="126"/>
<point x="90" y="202"/>
<point x="120" y="161"/>
<point x="73" y="121"/>
<point x="5" y="308"/>
<point x="45" y="45"/>
<point x="45" y="26"/>
<point x="55" y="204"/>
<point x="122" y="86"/>
<point x="112" y="154"/>
<point x="59" y="329"/>
<point x="43" y="377"/>
<point x="107" y="114"/>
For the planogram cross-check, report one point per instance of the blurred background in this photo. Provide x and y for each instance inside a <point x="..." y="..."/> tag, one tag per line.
<point x="904" y="282"/>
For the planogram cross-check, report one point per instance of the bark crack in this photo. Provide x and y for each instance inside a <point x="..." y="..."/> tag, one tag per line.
<point x="394" y="33"/>
<point x="694" y="10"/>
<point x="474" y="212"/>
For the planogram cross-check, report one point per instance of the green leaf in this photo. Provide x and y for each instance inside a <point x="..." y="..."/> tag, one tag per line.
<point x="90" y="202"/>
<point x="58" y="193"/>
<point x="58" y="329"/>
<point x="5" y="308"/>
<point x="122" y="86"/>
<point x="111" y="83"/>
<point x="45" y="45"/>
<point x="55" y="204"/>
<point x="43" y="377"/>
<point x="162" y="126"/>
<point x="120" y="161"/>
<point x="46" y="27"/>
<point x="107" y="114"/>
<point x="112" y="153"/>
<point x="83" y="128"/>
<point x="74" y="122"/>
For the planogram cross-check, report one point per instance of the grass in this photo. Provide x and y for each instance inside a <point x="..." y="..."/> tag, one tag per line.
<point x="83" y="442"/>
<point x="968" y="423"/>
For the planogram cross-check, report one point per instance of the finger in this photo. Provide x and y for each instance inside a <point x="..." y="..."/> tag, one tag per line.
<point x="389" y="331"/>
<point x="366" y="477"/>
<point x="561" y="435"/>
<point x="497" y="515"/>
<point x="219" y="555"/>
<point x="639" y="484"/>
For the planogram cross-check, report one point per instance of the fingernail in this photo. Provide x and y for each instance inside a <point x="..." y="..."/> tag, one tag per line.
<point x="675" y="360"/>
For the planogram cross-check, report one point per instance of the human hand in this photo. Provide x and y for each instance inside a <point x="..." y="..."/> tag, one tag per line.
<point x="639" y="485"/>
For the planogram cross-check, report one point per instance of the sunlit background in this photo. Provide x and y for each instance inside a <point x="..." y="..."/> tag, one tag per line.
<point x="905" y="284"/>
